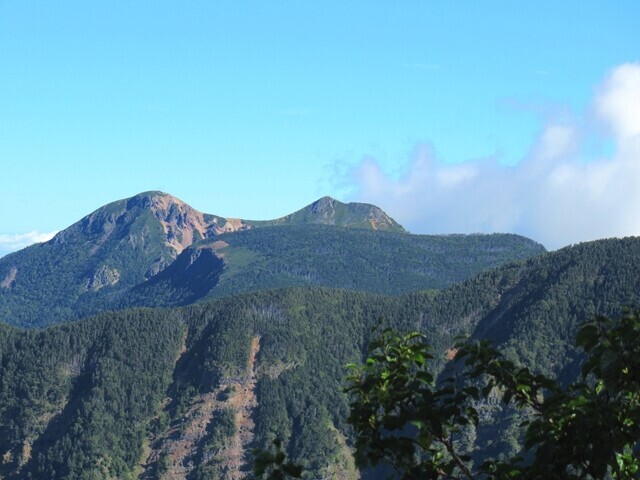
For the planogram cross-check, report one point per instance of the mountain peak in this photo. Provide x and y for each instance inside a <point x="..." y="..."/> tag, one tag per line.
<point x="324" y="205"/>
<point x="161" y="216"/>
<point x="157" y="214"/>
<point x="151" y="194"/>
<point x="326" y="200"/>
<point x="329" y="211"/>
<point x="152" y="200"/>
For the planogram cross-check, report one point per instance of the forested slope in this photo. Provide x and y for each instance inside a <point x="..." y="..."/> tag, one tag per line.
<point x="82" y="272"/>
<point x="186" y="393"/>
<point x="531" y="310"/>
<point x="111" y="395"/>
<point x="319" y="255"/>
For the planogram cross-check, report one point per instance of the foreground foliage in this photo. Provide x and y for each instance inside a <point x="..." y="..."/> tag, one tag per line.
<point x="271" y="465"/>
<point x="591" y="429"/>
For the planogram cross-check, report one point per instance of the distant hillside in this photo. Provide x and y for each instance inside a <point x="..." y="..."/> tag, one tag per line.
<point x="328" y="211"/>
<point x="531" y="310"/>
<point x="538" y="303"/>
<point x="138" y="251"/>
<point x="316" y="255"/>
<point x="186" y="393"/>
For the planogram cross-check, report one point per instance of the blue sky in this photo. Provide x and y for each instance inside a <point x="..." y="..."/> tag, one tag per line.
<point x="436" y="111"/>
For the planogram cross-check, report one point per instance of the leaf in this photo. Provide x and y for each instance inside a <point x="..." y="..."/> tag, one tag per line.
<point x="587" y="337"/>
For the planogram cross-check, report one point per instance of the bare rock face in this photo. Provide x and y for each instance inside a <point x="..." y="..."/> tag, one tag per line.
<point x="324" y="207"/>
<point x="102" y="277"/>
<point x="184" y="225"/>
<point x="179" y="448"/>
<point x="227" y="225"/>
<point x="9" y="279"/>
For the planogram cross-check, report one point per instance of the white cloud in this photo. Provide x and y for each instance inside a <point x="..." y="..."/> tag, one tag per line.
<point x="618" y="102"/>
<point x="553" y="195"/>
<point x="12" y="242"/>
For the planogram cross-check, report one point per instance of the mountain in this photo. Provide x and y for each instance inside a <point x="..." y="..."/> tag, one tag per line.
<point x="254" y="344"/>
<point x="328" y="211"/>
<point x="187" y="392"/>
<point x="531" y="310"/>
<point x="133" y="393"/>
<point x="317" y="255"/>
<point x="115" y="247"/>
<point x="153" y="249"/>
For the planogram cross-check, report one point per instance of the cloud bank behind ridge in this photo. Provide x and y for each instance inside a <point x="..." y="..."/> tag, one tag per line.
<point x="558" y="194"/>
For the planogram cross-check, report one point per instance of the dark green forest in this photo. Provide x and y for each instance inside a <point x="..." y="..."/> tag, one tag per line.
<point x="82" y="272"/>
<point x="118" y="395"/>
<point x="318" y="255"/>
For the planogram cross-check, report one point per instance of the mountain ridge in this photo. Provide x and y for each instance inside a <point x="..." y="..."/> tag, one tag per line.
<point x="184" y="224"/>
<point x="114" y="257"/>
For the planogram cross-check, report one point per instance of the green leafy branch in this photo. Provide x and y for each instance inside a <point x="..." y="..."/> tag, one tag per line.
<point x="590" y="429"/>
